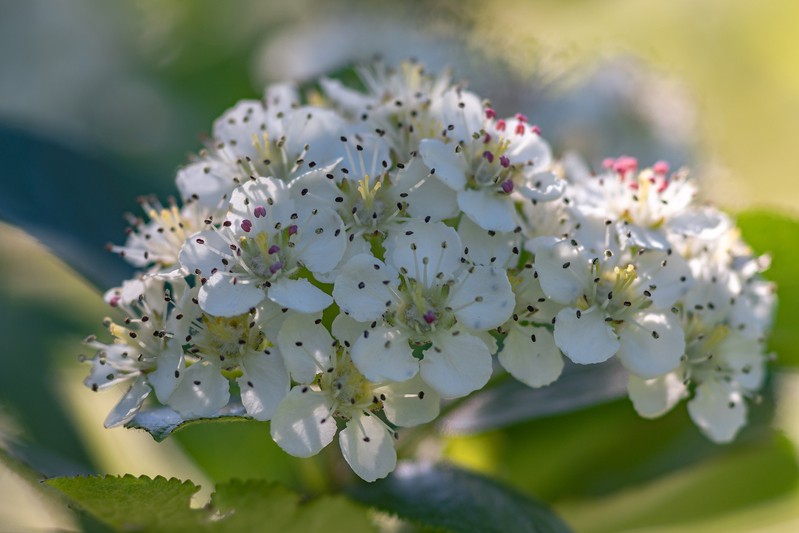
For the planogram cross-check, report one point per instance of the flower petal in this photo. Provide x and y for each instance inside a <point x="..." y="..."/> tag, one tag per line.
<point x="365" y="287"/>
<point x="456" y="363"/>
<point x="202" y="391"/>
<point x="563" y="270"/>
<point x="429" y="253"/>
<point x="410" y="402"/>
<point x="651" y="344"/>
<point x="657" y="396"/>
<point x="444" y="162"/>
<point x="484" y="247"/>
<point x="129" y="405"/>
<point x="306" y="347"/>
<point x="223" y="295"/>
<point x="171" y="365"/>
<point x="303" y="424"/>
<point x="584" y="336"/>
<point x="299" y="295"/>
<point x="321" y="240"/>
<point x="204" y="252"/>
<point x="719" y="411"/>
<point x="531" y="356"/>
<point x="488" y="209"/>
<point x="383" y="354"/>
<point x="424" y="194"/>
<point x="368" y="447"/>
<point x="483" y="298"/>
<point x="264" y="382"/>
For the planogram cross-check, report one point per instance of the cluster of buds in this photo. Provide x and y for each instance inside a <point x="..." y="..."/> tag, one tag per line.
<point x="340" y="267"/>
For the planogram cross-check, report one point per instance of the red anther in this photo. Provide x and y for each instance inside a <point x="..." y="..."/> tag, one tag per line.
<point x="292" y="229"/>
<point x="608" y="162"/>
<point x="274" y="267"/>
<point x="490" y="113"/>
<point x="661" y="167"/>
<point x="246" y="225"/>
<point x="489" y="156"/>
<point x="429" y="317"/>
<point x="504" y="161"/>
<point x="520" y="117"/>
<point x="519" y="129"/>
<point x="535" y="129"/>
<point x="507" y="186"/>
<point x="114" y="301"/>
<point x="501" y="125"/>
<point x="273" y="249"/>
<point x="259" y="211"/>
<point x="487" y="138"/>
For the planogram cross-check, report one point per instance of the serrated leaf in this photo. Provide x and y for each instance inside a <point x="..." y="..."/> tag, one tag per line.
<point x="778" y="235"/>
<point x="134" y="503"/>
<point x="144" y="504"/>
<point x="161" y="422"/>
<point x="447" y="497"/>
<point x="512" y="402"/>
<point x="246" y="505"/>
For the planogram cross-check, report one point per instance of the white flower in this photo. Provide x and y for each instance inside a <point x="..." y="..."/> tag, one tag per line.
<point x="424" y="298"/>
<point x="259" y="251"/>
<point x="613" y="309"/>
<point x="491" y="167"/>
<point x="305" y="421"/>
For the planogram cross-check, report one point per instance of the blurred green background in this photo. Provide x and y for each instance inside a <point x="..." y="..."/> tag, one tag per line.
<point x="119" y="93"/>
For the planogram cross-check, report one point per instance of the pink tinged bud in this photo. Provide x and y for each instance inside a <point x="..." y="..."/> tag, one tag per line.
<point x="520" y="117"/>
<point x="535" y="129"/>
<point x="273" y="249"/>
<point x="292" y="229"/>
<point x="246" y="225"/>
<point x="519" y="129"/>
<point x="488" y="155"/>
<point x="661" y="167"/>
<point x="490" y="113"/>
<point x="501" y="125"/>
<point x="274" y="267"/>
<point x="507" y="186"/>
<point x="259" y="212"/>
<point x="429" y="317"/>
<point x="504" y="161"/>
<point x="487" y="138"/>
<point x="608" y="162"/>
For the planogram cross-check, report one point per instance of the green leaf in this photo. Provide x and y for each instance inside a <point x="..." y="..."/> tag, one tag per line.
<point x="144" y="504"/>
<point x="778" y="236"/>
<point x="511" y="402"/>
<point x="447" y="497"/>
<point x="161" y="422"/>
<point x="131" y="503"/>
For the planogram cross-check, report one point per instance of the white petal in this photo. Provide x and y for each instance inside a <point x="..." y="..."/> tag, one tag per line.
<point x="307" y="347"/>
<point x="425" y="194"/>
<point x="525" y="148"/>
<point x="483" y="298"/>
<point x="383" y="354"/>
<point x="488" y="209"/>
<point x="202" y="391"/>
<point x="745" y="357"/>
<point x="269" y="193"/>
<point x="459" y="109"/>
<point x="563" y="271"/>
<point x="237" y="125"/>
<point x="347" y="330"/>
<point x="585" y="340"/>
<point x="531" y="356"/>
<point x="657" y="396"/>
<point x="129" y="405"/>
<point x="314" y="188"/>
<point x="651" y="344"/>
<point x="368" y="447"/>
<point x="204" y="252"/>
<point x="542" y="187"/>
<point x="485" y="247"/>
<point x="208" y="181"/>
<point x="318" y="128"/>
<point x="264" y="383"/>
<point x="718" y="411"/>
<point x="409" y="403"/>
<point x="456" y="364"/>
<point x="649" y="238"/>
<point x="449" y="166"/>
<point x="668" y="273"/>
<point x="705" y="223"/>
<point x="365" y="286"/>
<point x="300" y="295"/>
<point x="270" y="317"/>
<point x="171" y="364"/>
<point x="348" y="99"/>
<point x="321" y="240"/>
<point x="220" y="296"/>
<point x="427" y="250"/>
<point x="303" y="424"/>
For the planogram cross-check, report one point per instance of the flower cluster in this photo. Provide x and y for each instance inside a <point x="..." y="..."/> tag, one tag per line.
<point x="345" y="259"/>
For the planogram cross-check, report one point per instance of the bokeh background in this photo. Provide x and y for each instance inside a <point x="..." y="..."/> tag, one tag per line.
<point x="102" y="101"/>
